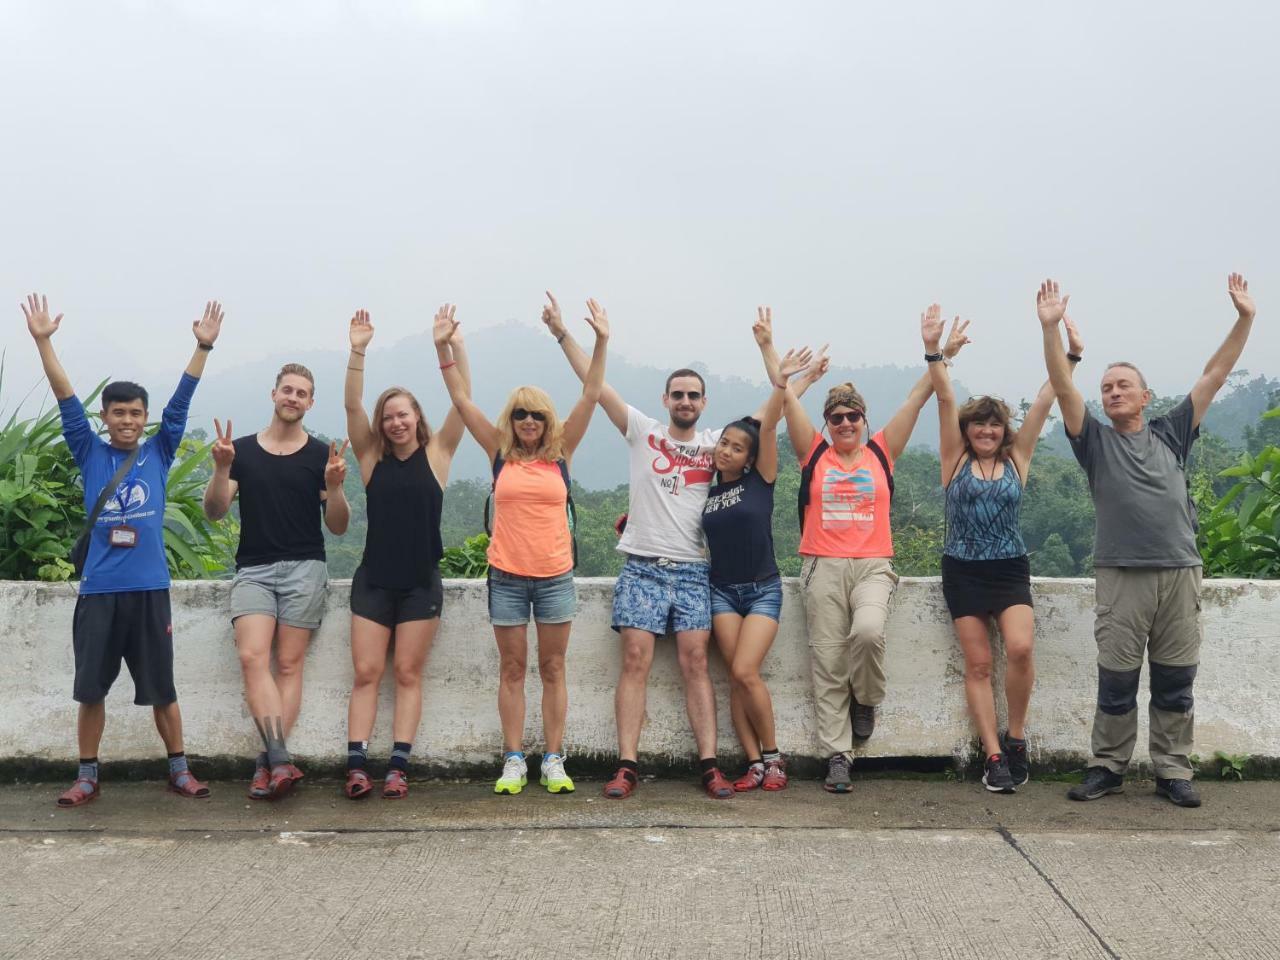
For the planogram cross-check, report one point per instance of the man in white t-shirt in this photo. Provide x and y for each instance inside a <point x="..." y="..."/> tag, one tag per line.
<point x="663" y="587"/>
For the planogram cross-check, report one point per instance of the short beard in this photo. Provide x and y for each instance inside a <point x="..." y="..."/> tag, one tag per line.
<point x="683" y="423"/>
<point x="285" y="415"/>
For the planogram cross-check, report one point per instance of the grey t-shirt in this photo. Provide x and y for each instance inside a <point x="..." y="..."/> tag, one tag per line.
<point x="1144" y="516"/>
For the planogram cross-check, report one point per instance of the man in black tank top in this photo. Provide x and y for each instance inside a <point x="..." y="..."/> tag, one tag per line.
<point x="285" y="479"/>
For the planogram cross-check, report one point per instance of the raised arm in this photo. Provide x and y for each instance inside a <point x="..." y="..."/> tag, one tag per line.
<point x="444" y="442"/>
<point x="337" y="512"/>
<point x="1024" y="447"/>
<point x="1051" y="307"/>
<point x="779" y="394"/>
<point x="206" y="331"/>
<point x="898" y="430"/>
<point x="42" y="328"/>
<point x="575" y="426"/>
<point x="950" y="440"/>
<point x="800" y="428"/>
<point x="221" y="489"/>
<point x="610" y="399"/>
<point x="443" y="330"/>
<point x="359" y="430"/>
<point x="1224" y="358"/>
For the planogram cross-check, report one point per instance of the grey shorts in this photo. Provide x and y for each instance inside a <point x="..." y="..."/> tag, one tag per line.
<point x="292" y="591"/>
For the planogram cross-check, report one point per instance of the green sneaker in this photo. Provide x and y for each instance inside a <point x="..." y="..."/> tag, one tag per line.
<point x="553" y="776"/>
<point x="514" y="776"/>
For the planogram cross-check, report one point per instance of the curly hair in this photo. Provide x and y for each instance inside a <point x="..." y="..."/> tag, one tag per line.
<point x="986" y="409"/>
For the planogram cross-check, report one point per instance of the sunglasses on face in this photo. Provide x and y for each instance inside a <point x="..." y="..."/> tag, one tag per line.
<point x="520" y="413"/>
<point x="694" y="395"/>
<point x="835" y="419"/>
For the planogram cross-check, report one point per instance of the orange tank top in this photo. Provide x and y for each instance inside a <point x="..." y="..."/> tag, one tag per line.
<point x="848" y="512"/>
<point x="531" y="523"/>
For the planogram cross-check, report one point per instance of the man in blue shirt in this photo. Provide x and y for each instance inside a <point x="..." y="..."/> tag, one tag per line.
<point x="123" y="609"/>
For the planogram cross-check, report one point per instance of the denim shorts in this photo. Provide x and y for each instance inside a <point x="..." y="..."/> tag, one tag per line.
<point x="552" y="599"/>
<point x="761" y="597"/>
<point x="662" y="596"/>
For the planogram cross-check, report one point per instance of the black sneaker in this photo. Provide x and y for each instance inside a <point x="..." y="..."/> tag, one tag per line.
<point x="1015" y="751"/>
<point x="1098" y="782"/>
<point x="838" y="775"/>
<point x="1179" y="792"/>
<point x="996" y="776"/>
<point x="864" y="720"/>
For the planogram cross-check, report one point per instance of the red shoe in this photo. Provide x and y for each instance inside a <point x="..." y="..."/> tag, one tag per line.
<point x="258" y="786"/>
<point x="751" y="779"/>
<point x="185" y="784"/>
<point x="283" y="777"/>
<point x="396" y="786"/>
<point x="622" y="785"/>
<point x="76" y="797"/>
<point x="717" y="785"/>
<point x="775" y="775"/>
<point x="358" y="785"/>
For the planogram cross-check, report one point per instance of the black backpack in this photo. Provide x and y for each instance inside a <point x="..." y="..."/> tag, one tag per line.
<point x="806" y="474"/>
<point x="498" y="463"/>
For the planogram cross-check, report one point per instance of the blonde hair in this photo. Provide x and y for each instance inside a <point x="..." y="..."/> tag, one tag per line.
<point x="375" y="423"/>
<point x="298" y="370"/>
<point x="550" y="447"/>
<point x="984" y="409"/>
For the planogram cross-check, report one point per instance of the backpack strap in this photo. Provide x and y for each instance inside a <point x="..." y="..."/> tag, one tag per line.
<point x="806" y="479"/>
<point x="570" y="508"/>
<point x="488" y="501"/>
<point x="884" y="465"/>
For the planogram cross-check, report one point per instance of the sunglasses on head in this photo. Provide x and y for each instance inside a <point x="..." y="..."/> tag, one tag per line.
<point x="520" y="413"/>
<point x="681" y="394"/>
<point x="835" y="419"/>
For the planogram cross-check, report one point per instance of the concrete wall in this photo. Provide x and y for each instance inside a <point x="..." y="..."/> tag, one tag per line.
<point x="924" y="715"/>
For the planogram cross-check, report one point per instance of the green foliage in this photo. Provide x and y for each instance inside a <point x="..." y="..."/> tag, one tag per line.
<point x="1231" y="765"/>
<point x="1053" y="559"/>
<point x="1240" y="534"/>
<point x="469" y="561"/>
<point x="195" y="547"/>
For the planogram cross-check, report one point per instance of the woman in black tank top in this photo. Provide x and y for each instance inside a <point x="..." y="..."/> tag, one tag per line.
<point x="397" y="589"/>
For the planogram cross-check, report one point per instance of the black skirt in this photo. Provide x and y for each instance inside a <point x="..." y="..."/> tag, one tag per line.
<point x="978" y="588"/>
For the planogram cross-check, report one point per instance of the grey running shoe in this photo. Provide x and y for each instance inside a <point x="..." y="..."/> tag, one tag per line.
<point x="1180" y="792"/>
<point x="864" y="720"/>
<point x="838" y="774"/>
<point x="1015" y="751"/>
<point x="995" y="777"/>
<point x="1098" y="782"/>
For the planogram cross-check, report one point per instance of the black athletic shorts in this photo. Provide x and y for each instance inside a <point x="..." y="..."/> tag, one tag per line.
<point x="134" y="626"/>
<point x="389" y="607"/>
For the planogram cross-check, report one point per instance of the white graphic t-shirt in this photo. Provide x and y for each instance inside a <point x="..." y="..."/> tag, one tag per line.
<point x="669" y="484"/>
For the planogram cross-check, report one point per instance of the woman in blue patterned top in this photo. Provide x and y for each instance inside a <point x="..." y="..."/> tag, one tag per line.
<point x="985" y="569"/>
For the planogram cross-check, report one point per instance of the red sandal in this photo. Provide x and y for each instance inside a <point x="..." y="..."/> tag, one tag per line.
<point x="76" y="797"/>
<point x="258" y="786"/>
<point x="186" y="785"/>
<point x="358" y="785"/>
<point x="283" y="777"/>
<point x="622" y="784"/>
<point x="396" y="786"/>
<point x="717" y="785"/>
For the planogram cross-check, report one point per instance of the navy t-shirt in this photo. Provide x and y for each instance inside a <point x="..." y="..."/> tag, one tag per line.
<point x="139" y="500"/>
<point x="738" y="521"/>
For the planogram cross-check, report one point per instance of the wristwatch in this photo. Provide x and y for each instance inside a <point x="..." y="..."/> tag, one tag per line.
<point x="933" y="357"/>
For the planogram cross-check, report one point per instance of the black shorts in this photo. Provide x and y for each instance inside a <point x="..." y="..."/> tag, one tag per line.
<point x="134" y="626"/>
<point x="389" y="607"/>
<point x="980" y="588"/>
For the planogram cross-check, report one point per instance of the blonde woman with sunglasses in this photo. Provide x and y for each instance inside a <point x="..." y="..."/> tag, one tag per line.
<point x="531" y="550"/>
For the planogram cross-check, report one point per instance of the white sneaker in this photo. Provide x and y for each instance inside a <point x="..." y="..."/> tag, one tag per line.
<point x="553" y="776"/>
<point x="515" y="774"/>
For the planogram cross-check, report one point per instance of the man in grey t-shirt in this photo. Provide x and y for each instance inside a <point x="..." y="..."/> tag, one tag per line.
<point x="1147" y="565"/>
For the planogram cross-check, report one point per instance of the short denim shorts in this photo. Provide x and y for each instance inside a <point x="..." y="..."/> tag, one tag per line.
<point x="511" y="598"/>
<point x="761" y="597"/>
<point x="662" y="596"/>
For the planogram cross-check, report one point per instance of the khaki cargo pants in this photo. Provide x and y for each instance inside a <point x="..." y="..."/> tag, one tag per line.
<point x="1156" y="609"/>
<point x="846" y="603"/>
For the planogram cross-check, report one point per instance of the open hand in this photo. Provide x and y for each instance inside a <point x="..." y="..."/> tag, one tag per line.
<point x="36" y="310"/>
<point x="223" y="450"/>
<point x="209" y="326"/>
<point x="931" y="326"/>
<point x="361" y="330"/>
<point x="335" y="471"/>
<point x="444" y="325"/>
<point x="818" y="366"/>
<point x="1075" y="343"/>
<point x="1050" y="306"/>
<point x="794" y="362"/>
<point x="1238" y="287"/>
<point x="551" y="317"/>
<point x="762" y="329"/>
<point x="956" y="338"/>
<point x="599" y="319"/>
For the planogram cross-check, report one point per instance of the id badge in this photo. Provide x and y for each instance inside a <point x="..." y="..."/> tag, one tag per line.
<point x="123" y="535"/>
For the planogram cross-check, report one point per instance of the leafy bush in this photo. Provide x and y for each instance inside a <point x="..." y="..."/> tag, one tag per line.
<point x="1240" y="534"/>
<point x="469" y="561"/>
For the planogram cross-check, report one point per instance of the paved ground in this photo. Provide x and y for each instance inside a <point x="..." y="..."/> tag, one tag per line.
<point x="902" y="869"/>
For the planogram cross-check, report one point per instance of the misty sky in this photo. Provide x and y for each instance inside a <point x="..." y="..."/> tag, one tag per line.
<point x="682" y="162"/>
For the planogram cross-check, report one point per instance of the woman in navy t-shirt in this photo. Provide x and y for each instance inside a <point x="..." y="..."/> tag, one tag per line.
<point x="746" y="590"/>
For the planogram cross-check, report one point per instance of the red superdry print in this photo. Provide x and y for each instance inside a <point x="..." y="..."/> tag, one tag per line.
<point x="693" y="470"/>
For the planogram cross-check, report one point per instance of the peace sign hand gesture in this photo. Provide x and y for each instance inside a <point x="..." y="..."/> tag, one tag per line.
<point x="956" y="338"/>
<point x="335" y="471"/>
<point x="223" y="450"/>
<point x="762" y="329"/>
<point x="599" y="319"/>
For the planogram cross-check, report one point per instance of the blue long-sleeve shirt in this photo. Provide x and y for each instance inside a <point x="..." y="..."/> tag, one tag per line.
<point x="139" y="500"/>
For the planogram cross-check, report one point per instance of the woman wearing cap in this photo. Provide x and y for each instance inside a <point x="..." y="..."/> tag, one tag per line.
<point x="531" y="552"/>
<point x="985" y="569"/>
<point x="847" y="576"/>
